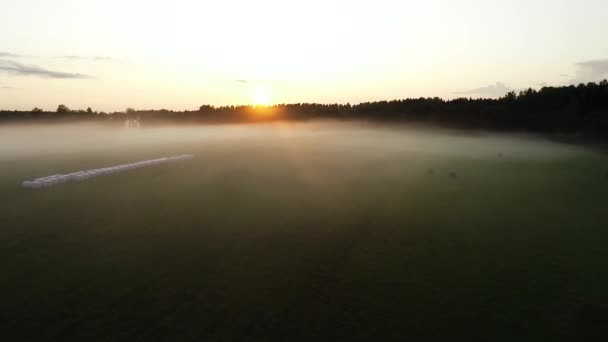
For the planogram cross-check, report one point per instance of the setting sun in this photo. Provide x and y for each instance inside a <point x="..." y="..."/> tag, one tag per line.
<point x="261" y="97"/>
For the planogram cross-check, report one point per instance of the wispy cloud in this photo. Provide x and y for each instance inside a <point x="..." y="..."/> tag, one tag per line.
<point x="72" y="57"/>
<point x="5" y="54"/>
<point x="87" y="58"/>
<point x="252" y="82"/>
<point x="9" y="54"/>
<point x="32" y="70"/>
<point x="102" y="58"/>
<point x="497" y="90"/>
<point x="6" y="87"/>
<point x="591" y="71"/>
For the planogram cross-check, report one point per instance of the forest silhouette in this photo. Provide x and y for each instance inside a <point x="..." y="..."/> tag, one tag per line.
<point x="581" y="109"/>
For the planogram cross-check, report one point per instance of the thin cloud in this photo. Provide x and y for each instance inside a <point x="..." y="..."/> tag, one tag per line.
<point x="241" y="81"/>
<point x="591" y="71"/>
<point x="32" y="70"/>
<point x="102" y="58"/>
<point x="497" y="90"/>
<point x="86" y="58"/>
<point x="9" y="54"/>
<point x="73" y="57"/>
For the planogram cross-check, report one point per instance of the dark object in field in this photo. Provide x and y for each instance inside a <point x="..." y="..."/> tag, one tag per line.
<point x="453" y="175"/>
<point x="500" y="155"/>
<point x="430" y="171"/>
<point x="592" y="323"/>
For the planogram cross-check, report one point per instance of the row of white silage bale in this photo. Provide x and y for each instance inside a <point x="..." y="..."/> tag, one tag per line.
<point x="49" y="181"/>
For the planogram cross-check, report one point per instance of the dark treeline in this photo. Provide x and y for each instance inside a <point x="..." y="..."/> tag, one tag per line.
<point x="582" y="108"/>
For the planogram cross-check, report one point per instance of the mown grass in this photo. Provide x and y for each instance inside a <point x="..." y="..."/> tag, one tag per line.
<point x="346" y="235"/>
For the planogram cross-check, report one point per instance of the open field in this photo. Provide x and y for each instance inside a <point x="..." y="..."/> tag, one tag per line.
<point x="299" y="232"/>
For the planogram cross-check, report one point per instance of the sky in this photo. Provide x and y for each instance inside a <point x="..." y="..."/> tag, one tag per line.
<point x="180" y="54"/>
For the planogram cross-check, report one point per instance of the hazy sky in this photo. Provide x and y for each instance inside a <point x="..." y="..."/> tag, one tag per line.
<point x="180" y="54"/>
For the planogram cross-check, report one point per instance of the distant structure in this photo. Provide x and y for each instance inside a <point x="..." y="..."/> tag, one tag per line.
<point x="131" y="120"/>
<point x="132" y="123"/>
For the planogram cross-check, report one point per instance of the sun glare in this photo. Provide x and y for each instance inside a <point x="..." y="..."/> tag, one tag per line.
<point x="261" y="97"/>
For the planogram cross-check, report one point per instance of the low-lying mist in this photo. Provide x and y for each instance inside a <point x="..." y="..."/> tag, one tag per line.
<point x="350" y="138"/>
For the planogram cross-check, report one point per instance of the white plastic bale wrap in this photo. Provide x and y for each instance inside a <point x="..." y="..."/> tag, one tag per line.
<point x="79" y="176"/>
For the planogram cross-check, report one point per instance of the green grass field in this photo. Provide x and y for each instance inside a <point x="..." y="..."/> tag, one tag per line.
<point x="299" y="232"/>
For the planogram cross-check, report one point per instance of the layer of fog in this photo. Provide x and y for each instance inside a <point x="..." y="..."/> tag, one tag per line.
<point x="29" y="141"/>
